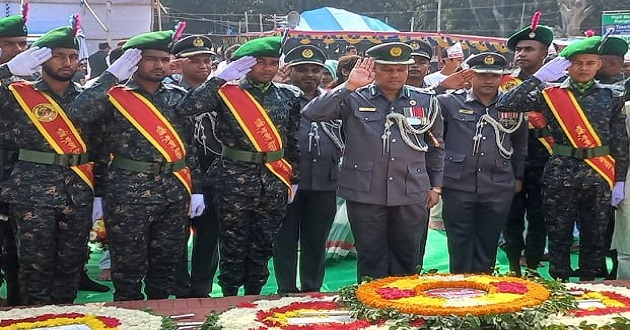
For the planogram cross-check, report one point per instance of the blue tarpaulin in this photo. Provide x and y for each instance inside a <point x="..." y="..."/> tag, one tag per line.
<point x="334" y="19"/>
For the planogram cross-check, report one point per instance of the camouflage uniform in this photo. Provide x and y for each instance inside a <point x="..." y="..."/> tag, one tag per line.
<point x="251" y="200"/>
<point x="52" y="208"/>
<point x="145" y="213"/>
<point x="528" y="202"/>
<point x="572" y="190"/>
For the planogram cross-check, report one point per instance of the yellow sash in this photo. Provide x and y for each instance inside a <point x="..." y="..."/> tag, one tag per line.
<point x="150" y="122"/>
<point x="578" y="129"/>
<point x="260" y="130"/>
<point x="51" y="121"/>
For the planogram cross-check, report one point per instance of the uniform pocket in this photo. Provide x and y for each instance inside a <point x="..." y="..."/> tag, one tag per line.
<point x="356" y="176"/>
<point x="453" y="165"/>
<point x="502" y="172"/>
<point x="417" y="180"/>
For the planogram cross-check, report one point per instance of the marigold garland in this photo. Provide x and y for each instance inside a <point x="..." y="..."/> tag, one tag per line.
<point x="510" y="294"/>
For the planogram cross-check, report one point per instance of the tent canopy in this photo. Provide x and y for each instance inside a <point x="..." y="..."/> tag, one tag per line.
<point x="334" y="19"/>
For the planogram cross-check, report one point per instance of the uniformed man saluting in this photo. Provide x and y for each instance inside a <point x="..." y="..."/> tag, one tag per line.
<point x="590" y="154"/>
<point x="142" y="173"/>
<point x="485" y="158"/>
<point x="257" y="122"/>
<point x="50" y="187"/>
<point x="392" y="168"/>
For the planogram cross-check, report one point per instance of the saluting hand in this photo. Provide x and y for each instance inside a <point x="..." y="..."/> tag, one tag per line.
<point x="283" y="75"/>
<point x="124" y="67"/>
<point x="237" y="69"/>
<point x="362" y="74"/>
<point x="458" y="80"/>
<point x="27" y="62"/>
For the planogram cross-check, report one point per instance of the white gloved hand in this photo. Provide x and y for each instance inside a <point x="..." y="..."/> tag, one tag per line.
<point x="553" y="70"/>
<point x="292" y="193"/>
<point x="97" y="208"/>
<point x="197" y="205"/>
<point x="618" y="193"/>
<point x="27" y="62"/>
<point x="236" y="69"/>
<point x="126" y="64"/>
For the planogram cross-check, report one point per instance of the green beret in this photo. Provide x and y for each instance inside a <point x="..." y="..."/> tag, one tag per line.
<point x="391" y="53"/>
<point x="261" y="47"/>
<point x="307" y="54"/>
<point x="12" y="26"/>
<point x="488" y="63"/>
<point x="615" y="46"/>
<point x="192" y="45"/>
<point x="589" y="45"/>
<point x="542" y="34"/>
<point x="157" y="40"/>
<point x="61" y="37"/>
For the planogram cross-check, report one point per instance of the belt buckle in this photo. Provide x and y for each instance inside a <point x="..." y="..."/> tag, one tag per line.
<point x="257" y="157"/>
<point x="163" y="168"/>
<point x="64" y="160"/>
<point x="578" y="153"/>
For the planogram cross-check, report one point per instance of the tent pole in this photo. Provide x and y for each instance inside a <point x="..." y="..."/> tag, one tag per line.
<point x="159" y="10"/>
<point x="439" y="16"/>
<point x="98" y="20"/>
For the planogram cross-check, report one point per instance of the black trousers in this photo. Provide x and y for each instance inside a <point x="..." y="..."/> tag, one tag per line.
<point x="528" y="203"/>
<point x="473" y="223"/>
<point x="308" y="221"/>
<point x="205" y="254"/>
<point x="388" y="238"/>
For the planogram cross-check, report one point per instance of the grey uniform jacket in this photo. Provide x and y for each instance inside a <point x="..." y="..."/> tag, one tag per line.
<point x="485" y="171"/>
<point x="401" y="176"/>
<point x="319" y="157"/>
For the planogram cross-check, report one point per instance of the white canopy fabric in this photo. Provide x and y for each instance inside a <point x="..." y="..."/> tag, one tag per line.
<point x="334" y="19"/>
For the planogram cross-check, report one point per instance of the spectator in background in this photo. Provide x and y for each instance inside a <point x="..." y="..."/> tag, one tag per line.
<point x="329" y="74"/>
<point x="452" y="57"/>
<point x="97" y="60"/>
<point x="227" y="57"/>
<point x="351" y="50"/>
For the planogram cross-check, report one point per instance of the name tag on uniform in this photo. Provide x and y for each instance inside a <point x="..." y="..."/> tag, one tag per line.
<point x="466" y="111"/>
<point x="367" y="109"/>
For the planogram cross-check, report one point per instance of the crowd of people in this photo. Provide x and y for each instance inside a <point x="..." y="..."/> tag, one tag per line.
<point x="252" y="155"/>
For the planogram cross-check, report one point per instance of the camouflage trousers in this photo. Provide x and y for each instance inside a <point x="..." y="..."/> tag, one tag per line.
<point x="145" y="243"/>
<point x="8" y="256"/>
<point x="563" y="206"/>
<point x="52" y="249"/>
<point x="248" y="228"/>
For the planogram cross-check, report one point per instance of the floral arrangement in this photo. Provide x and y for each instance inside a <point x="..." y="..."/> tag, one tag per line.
<point x="98" y="234"/>
<point x="458" y="301"/>
<point x="95" y="317"/>
<point x="316" y="310"/>
<point x="600" y="306"/>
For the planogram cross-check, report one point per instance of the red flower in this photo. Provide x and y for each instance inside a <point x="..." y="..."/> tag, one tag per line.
<point x="510" y="287"/>
<point x="394" y="293"/>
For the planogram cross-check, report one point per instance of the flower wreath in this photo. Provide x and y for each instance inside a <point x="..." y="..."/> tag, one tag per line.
<point x="95" y="317"/>
<point x="458" y="301"/>
<point x="600" y="306"/>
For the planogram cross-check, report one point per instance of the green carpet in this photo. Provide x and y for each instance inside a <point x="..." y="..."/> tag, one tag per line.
<point x="338" y="273"/>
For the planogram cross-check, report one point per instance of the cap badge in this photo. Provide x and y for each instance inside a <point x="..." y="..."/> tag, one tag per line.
<point x="414" y="45"/>
<point x="488" y="60"/>
<point x="395" y="51"/>
<point x="532" y="35"/>
<point x="307" y="53"/>
<point x="198" y="42"/>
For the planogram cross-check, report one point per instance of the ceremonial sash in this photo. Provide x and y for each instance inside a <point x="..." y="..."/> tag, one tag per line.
<point x="536" y="119"/>
<point x="260" y="130"/>
<point x="578" y="129"/>
<point x="150" y="122"/>
<point x="51" y="121"/>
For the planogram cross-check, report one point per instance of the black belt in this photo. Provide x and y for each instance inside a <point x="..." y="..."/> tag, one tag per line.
<point x="562" y="150"/>
<point x="251" y="156"/>
<point x="539" y="132"/>
<point x="146" y="167"/>
<point x="51" y="158"/>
